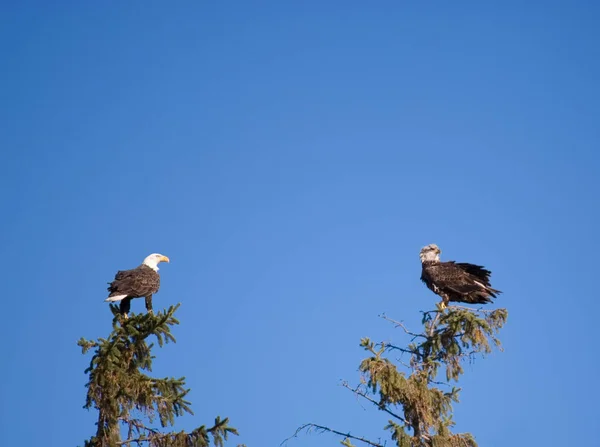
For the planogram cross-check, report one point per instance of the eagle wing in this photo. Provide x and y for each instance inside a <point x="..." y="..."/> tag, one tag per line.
<point x="448" y="276"/>
<point x="482" y="275"/>
<point x="462" y="279"/>
<point x="140" y="281"/>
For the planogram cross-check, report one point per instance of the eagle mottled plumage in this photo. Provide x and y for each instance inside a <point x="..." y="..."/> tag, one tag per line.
<point x="142" y="281"/>
<point x="455" y="281"/>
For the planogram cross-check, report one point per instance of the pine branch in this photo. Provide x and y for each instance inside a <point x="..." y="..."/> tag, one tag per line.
<point x="220" y="428"/>
<point x="471" y="309"/>
<point x="118" y="386"/>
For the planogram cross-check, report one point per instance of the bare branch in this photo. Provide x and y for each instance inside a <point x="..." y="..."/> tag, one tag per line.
<point x="403" y="363"/>
<point x="401" y="325"/>
<point x="434" y="324"/>
<point x="321" y="428"/>
<point x="373" y="401"/>
<point x="391" y="347"/>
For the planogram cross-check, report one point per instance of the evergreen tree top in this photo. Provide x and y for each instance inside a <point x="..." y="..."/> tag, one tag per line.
<point x="420" y="405"/>
<point x="125" y="396"/>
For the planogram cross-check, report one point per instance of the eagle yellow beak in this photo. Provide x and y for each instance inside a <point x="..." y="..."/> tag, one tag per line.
<point x="164" y="259"/>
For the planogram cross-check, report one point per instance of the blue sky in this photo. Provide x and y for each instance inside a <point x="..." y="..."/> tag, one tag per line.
<point x="291" y="158"/>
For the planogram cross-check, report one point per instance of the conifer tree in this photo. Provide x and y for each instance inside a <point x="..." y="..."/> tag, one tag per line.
<point x="128" y="400"/>
<point x="418" y="404"/>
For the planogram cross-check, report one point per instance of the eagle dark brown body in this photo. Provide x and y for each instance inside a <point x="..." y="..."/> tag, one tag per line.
<point x="139" y="282"/>
<point x="142" y="281"/>
<point x="457" y="282"/>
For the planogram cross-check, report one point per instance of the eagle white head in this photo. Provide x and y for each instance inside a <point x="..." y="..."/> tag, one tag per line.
<point x="430" y="252"/>
<point x="153" y="260"/>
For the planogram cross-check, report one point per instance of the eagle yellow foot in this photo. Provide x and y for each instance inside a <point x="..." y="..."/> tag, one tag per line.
<point x="442" y="306"/>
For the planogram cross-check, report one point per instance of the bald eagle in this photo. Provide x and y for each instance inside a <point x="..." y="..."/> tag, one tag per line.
<point x="455" y="281"/>
<point x="142" y="281"/>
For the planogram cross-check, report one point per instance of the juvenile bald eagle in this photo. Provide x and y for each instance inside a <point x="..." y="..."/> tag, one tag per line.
<point x="455" y="281"/>
<point x="142" y="281"/>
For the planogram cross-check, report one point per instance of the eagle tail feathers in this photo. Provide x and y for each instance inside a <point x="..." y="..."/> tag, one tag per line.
<point x="115" y="298"/>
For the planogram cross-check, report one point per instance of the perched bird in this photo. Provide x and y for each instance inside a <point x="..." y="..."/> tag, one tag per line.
<point x="455" y="281"/>
<point x="142" y="281"/>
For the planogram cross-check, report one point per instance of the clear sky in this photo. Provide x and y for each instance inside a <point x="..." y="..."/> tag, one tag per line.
<point x="291" y="158"/>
